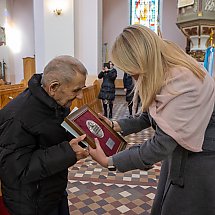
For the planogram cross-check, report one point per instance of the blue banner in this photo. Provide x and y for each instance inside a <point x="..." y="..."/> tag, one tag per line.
<point x="209" y="60"/>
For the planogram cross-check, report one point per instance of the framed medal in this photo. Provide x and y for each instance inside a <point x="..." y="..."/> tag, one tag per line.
<point x="85" y="121"/>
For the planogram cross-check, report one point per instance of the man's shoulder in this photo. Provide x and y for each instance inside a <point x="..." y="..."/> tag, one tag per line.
<point x="26" y="109"/>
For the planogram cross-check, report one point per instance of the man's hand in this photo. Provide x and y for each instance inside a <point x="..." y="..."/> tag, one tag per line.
<point x="80" y="152"/>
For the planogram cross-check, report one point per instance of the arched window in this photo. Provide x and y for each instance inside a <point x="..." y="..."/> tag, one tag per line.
<point x="145" y="12"/>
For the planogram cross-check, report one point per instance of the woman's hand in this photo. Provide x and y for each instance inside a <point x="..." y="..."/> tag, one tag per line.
<point x="98" y="154"/>
<point x="115" y="126"/>
<point x="80" y="152"/>
<point x="105" y="119"/>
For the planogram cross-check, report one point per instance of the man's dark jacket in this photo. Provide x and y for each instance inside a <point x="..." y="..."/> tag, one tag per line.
<point x="34" y="152"/>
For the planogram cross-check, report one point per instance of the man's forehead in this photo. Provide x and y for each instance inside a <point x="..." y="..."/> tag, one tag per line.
<point x="76" y="84"/>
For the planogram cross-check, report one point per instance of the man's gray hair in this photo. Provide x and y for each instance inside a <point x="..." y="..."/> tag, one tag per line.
<point x="63" y="68"/>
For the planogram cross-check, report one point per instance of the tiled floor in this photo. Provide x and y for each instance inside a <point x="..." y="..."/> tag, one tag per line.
<point x="95" y="190"/>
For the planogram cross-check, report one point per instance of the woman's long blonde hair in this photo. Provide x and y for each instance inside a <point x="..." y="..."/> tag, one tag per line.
<point x="139" y="51"/>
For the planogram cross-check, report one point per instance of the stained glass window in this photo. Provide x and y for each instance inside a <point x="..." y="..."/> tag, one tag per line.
<point x="145" y="12"/>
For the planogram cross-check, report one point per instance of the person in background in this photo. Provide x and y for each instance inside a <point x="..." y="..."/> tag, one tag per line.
<point x="111" y="65"/>
<point x="36" y="151"/>
<point x="136" y="104"/>
<point x="107" y="91"/>
<point x="129" y="91"/>
<point x="132" y="101"/>
<point x="177" y="97"/>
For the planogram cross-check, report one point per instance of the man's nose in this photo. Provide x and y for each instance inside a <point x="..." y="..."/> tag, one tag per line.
<point x="80" y="95"/>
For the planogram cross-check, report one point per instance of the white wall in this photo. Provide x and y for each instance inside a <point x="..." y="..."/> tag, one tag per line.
<point x="23" y="23"/>
<point x="115" y="18"/>
<point x="88" y="35"/>
<point x="168" y="23"/>
<point x="54" y="35"/>
<point x="39" y="35"/>
<point x="19" y="36"/>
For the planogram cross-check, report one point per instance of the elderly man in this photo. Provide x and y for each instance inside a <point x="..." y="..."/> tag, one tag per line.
<point x="35" y="151"/>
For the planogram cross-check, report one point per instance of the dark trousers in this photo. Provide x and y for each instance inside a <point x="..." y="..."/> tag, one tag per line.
<point x="63" y="207"/>
<point x="130" y="105"/>
<point x="105" y="107"/>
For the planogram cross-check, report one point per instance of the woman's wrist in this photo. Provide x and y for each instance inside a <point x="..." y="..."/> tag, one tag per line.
<point x="111" y="166"/>
<point x="105" y="162"/>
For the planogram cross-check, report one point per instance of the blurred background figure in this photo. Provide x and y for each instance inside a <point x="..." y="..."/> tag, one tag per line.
<point x="129" y="91"/>
<point x="107" y="91"/>
<point x="132" y="98"/>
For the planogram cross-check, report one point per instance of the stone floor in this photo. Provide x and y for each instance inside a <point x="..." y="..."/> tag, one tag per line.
<point x="93" y="189"/>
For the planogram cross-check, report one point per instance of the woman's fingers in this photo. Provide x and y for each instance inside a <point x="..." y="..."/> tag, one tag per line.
<point x="104" y="119"/>
<point x="98" y="146"/>
<point x="101" y="116"/>
<point x="98" y="154"/>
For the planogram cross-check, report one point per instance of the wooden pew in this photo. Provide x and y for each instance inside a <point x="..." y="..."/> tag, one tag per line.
<point x="5" y="86"/>
<point x="29" y="69"/>
<point x="8" y="92"/>
<point x="119" y="87"/>
<point x="119" y="84"/>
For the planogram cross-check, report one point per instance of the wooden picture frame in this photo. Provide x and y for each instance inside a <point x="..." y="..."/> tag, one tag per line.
<point x="86" y="121"/>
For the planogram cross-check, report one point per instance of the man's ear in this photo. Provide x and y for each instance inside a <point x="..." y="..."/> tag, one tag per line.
<point x="54" y="85"/>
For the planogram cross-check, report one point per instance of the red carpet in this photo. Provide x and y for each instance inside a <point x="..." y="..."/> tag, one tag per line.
<point x="3" y="210"/>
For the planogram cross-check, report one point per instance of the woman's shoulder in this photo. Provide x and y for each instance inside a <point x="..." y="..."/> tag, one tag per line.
<point x="182" y="75"/>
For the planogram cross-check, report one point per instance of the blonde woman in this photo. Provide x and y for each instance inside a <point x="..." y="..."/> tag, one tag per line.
<point x="177" y="98"/>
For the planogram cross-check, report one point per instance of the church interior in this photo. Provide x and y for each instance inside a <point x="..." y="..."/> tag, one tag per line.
<point x="35" y="31"/>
